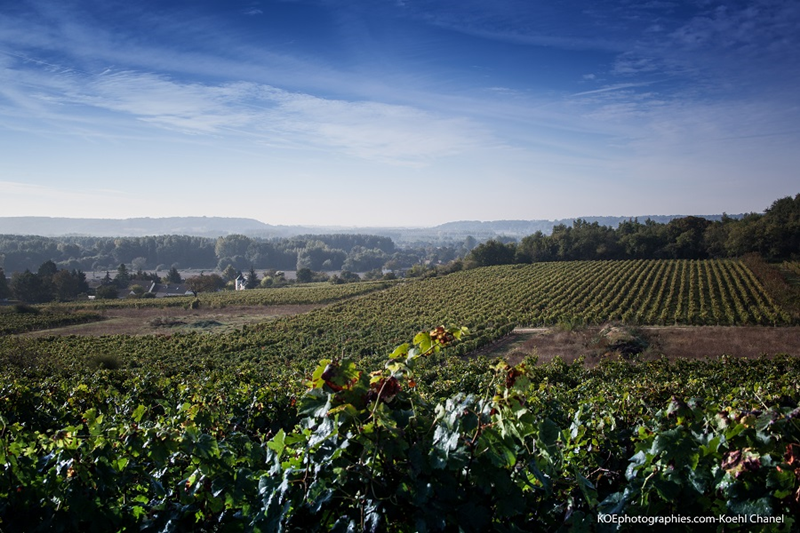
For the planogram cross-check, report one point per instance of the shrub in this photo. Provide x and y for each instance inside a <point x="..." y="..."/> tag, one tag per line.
<point x="24" y="309"/>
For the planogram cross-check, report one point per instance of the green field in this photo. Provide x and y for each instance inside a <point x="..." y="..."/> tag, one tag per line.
<point x="301" y="294"/>
<point x="198" y="431"/>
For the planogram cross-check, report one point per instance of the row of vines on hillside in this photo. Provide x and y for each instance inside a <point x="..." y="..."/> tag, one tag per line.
<point x="22" y="318"/>
<point x="655" y="292"/>
<point x="490" y="301"/>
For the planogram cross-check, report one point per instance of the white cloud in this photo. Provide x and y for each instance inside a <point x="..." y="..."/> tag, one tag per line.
<point x="370" y="130"/>
<point x="631" y="63"/>
<point x="610" y="88"/>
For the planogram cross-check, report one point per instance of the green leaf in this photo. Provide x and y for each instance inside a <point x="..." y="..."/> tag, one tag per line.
<point x="138" y="413"/>
<point x="121" y="463"/>
<point x="400" y="351"/>
<point x="315" y="403"/>
<point x="667" y="489"/>
<point x="587" y="488"/>
<point x="666" y="441"/>
<point x="548" y="434"/>
<point x="423" y="341"/>
<point x="634" y="464"/>
<point x="617" y="502"/>
<point x="541" y="477"/>
<point x="316" y="377"/>
<point x="277" y="443"/>
<point x="206" y="446"/>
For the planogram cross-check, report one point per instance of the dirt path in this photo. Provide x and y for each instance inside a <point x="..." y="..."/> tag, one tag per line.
<point x="149" y="321"/>
<point x="674" y="342"/>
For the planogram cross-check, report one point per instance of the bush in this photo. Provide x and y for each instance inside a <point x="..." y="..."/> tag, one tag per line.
<point x="24" y="309"/>
<point x="107" y="362"/>
<point x="107" y="292"/>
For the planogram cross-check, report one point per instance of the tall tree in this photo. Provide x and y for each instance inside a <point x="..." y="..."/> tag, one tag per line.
<point x="173" y="276"/>
<point x="5" y="290"/>
<point x="230" y="273"/>
<point x="493" y="252"/>
<point x="47" y="270"/>
<point x="123" y="278"/>
<point x="252" y="279"/>
<point x="304" y="275"/>
<point x="203" y="283"/>
<point x="28" y="287"/>
<point x="65" y="286"/>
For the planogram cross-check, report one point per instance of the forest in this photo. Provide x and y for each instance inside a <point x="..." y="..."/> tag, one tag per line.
<point x="775" y="235"/>
<point x="357" y="253"/>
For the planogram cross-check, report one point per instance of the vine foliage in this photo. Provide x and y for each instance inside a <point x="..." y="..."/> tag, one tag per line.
<point x="543" y="448"/>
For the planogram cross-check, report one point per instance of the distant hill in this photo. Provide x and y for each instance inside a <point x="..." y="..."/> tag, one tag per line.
<point x="135" y="227"/>
<point x="523" y="228"/>
<point x="221" y="226"/>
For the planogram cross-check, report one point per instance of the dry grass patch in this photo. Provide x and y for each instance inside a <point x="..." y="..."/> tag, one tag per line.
<point x="685" y="342"/>
<point x="149" y="321"/>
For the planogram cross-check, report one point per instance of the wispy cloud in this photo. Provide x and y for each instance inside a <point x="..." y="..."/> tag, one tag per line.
<point x="610" y="88"/>
<point x="377" y="131"/>
<point x="724" y="45"/>
<point x="601" y="88"/>
<point x="370" y="130"/>
<point x="520" y="23"/>
<point x="179" y="42"/>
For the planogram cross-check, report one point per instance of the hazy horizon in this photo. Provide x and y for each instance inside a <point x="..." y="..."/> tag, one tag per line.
<point x="396" y="114"/>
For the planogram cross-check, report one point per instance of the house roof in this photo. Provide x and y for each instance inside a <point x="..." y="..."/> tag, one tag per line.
<point x="172" y="289"/>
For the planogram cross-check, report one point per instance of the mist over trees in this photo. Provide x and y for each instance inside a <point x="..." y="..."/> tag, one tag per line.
<point x="317" y="252"/>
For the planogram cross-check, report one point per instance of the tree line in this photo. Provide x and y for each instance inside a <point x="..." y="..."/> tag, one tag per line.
<point x="316" y="252"/>
<point x="774" y="235"/>
<point x="48" y="283"/>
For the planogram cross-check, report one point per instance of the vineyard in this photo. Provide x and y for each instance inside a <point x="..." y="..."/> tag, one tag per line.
<point x="302" y="294"/>
<point x="22" y="318"/>
<point x="490" y="301"/>
<point x="792" y="268"/>
<point x="237" y="432"/>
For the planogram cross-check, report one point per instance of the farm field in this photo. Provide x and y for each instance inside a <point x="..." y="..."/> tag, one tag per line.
<point x="490" y="301"/>
<point x="312" y="293"/>
<point x="154" y="320"/>
<point x="200" y="430"/>
<point x="216" y="312"/>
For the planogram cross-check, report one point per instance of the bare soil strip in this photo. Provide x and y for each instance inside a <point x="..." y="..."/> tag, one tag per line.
<point x="679" y="342"/>
<point x="149" y="321"/>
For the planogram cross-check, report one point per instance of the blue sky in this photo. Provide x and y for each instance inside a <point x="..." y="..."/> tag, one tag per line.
<point x="397" y="112"/>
